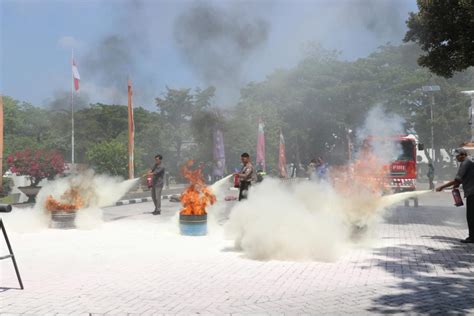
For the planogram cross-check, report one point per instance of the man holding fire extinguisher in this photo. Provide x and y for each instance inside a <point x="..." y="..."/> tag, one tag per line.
<point x="465" y="176"/>
<point x="157" y="175"/>
<point x="246" y="176"/>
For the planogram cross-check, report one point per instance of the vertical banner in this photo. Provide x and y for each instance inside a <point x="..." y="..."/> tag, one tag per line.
<point x="1" y="140"/>
<point x="219" y="153"/>
<point x="131" y="131"/>
<point x="75" y="75"/>
<point x="282" y="158"/>
<point x="260" y="162"/>
<point x="74" y="88"/>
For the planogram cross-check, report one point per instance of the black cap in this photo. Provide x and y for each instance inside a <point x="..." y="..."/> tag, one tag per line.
<point x="460" y="151"/>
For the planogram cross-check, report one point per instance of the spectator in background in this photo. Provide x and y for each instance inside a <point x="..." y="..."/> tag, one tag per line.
<point x="167" y="179"/>
<point x="321" y="169"/>
<point x="430" y="175"/>
<point x="311" y="170"/>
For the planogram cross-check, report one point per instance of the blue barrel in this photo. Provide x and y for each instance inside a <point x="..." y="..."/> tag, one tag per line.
<point x="193" y="225"/>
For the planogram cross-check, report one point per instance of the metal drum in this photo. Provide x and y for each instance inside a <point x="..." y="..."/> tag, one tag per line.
<point x="193" y="225"/>
<point x="63" y="220"/>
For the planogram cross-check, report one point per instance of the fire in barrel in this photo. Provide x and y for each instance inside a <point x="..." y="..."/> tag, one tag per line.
<point x="63" y="211"/>
<point x="195" y="199"/>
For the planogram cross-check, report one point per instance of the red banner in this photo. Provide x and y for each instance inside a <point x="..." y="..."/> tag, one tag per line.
<point x="282" y="158"/>
<point x="260" y="162"/>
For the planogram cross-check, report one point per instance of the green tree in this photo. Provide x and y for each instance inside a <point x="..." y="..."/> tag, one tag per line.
<point x="177" y="108"/>
<point x="25" y="126"/>
<point x="320" y="99"/>
<point x="109" y="157"/>
<point x="445" y="32"/>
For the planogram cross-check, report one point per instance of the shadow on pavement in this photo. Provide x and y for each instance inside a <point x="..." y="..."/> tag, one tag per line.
<point x="4" y="289"/>
<point x="427" y="215"/>
<point x="448" y="289"/>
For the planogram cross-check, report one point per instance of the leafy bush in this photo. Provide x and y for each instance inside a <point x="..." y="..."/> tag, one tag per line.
<point x="109" y="157"/>
<point x="36" y="164"/>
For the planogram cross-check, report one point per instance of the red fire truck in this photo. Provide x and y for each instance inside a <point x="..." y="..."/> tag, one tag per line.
<point x="402" y="171"/>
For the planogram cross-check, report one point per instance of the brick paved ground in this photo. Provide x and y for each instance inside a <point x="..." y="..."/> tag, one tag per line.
<point x="136" y="264"/>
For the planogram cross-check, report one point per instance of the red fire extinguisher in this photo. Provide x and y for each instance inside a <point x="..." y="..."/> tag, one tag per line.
<point x="236" y="181"/>
<point x="457" y="197"/>
<point x="149" y="181"/>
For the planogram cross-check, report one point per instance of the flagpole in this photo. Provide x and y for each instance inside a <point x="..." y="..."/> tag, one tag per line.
<point x="131" y="171"/>
<point x="72" y="111"/>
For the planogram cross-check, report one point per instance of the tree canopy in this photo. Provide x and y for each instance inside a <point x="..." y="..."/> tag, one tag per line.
<point x="445" y="32"/>
<point x="316" y="104"/>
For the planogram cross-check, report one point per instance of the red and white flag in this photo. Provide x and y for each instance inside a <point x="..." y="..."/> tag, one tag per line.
<point x="75" y="75"/>
<point x="131" y="134"/>
<point x="282" y="158"/>
<point x="260" y="162"/>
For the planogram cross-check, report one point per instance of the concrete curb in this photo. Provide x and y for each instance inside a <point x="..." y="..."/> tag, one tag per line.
<point x="141" y="200"/>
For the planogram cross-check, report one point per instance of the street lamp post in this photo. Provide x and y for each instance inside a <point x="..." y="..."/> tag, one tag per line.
<point x="470" y="93"/>
<point x="431" y="89"/>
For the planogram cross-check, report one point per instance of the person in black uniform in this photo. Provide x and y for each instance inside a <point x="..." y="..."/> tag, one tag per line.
<point x="246" y="176"/>
<point x="465" y="176"/>
<point x="158" y="174"/>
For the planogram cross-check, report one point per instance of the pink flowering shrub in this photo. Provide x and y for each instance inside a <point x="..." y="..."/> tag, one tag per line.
<point x="36" y="164"/>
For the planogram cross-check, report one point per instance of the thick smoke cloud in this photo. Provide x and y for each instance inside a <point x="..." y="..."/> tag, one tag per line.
<point x="111" y="61"/>
<point x="383" y="126"/>
<point x="120" y="55"/>
<point x="61" y="101"/>
<point x="383" y="18"/>
<point x="216" y="41"/>
<point x="225" y="44"/>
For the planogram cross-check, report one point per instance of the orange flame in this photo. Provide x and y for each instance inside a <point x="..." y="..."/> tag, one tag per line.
<point x="70" y="201"/>
<point x="197" y="195"/>
<point x="366" y="175"/>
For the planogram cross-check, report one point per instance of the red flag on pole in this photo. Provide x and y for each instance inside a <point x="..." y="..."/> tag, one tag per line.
<point x="75" y="75"/>
<point x="260" y="162"/>
<point x="131" y="132"/>
<point x="282" y="158"/>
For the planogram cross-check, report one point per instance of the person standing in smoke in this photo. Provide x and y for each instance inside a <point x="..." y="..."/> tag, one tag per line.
<point x="321" y="169"/>
<point x="311" y="170"/>
<point x="158" y="174"/>
<point x="430" y="175"/>
<point x="465" y="176"/>
<point x="246" y="176"/>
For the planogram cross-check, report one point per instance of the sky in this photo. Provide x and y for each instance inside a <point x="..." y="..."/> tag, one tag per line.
<point x="176" y="44"/>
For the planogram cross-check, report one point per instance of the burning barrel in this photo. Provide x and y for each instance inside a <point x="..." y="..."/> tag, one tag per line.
<point x="63" y="211"/>
<point x="193" y="225"/>
<point x="63" y="220"/>
<point x="195" y="199"/>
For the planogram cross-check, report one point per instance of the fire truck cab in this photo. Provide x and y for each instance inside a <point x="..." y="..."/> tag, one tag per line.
<point x="402" y="170"/>
<point x="401" y="173"/>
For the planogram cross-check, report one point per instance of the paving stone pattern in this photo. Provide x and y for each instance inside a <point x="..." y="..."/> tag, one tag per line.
<point x="415" y="266"/>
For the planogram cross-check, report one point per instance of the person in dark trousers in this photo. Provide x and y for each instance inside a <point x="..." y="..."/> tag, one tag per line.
<point x="158" y="174"/>
<point x="167" y="179"/>
<point x="430" y="175"/>
<point x="246" y="176"/>
<point x="465" y="176"/>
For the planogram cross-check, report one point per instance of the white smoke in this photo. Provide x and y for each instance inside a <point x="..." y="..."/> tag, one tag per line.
<point x="304" y="221"/>
<point x="382" y="126"/>
<point x="298" y="222"/>
<point x="97" y="191"/>
<point x="311" y="220"/>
